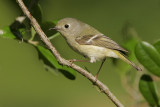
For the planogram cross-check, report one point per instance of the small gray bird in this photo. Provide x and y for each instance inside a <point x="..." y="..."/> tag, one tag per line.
<point x="89" y="42"/>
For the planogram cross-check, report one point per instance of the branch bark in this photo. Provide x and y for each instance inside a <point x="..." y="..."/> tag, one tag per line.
<point x="63" y="61"/>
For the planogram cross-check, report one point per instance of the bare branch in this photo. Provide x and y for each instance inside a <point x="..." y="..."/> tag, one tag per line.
<point x="63" y="61"/>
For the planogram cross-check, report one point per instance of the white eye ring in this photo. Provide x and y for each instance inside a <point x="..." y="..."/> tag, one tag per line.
<point x="66" y="26"/>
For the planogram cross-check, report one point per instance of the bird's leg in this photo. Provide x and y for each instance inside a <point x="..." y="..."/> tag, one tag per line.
<point x="75" y="60"/>
<point x="96" y="76"/>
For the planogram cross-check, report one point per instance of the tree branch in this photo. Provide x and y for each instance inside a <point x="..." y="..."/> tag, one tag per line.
<point x="63" y="61"/>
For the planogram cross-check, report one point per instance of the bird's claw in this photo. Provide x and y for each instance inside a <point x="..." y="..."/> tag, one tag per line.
<point x="71" y="61"/>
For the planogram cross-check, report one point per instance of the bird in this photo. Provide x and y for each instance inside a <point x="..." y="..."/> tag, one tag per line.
<point x="90" y="42"/>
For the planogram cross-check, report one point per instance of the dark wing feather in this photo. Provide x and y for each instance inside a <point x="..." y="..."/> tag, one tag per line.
<point x="100" y="40"/>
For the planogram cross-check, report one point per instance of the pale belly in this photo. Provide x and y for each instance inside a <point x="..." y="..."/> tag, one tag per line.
<point x="96" y="53"/>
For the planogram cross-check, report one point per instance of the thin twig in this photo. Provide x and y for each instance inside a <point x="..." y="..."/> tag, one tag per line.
<point x="63" y="61"/>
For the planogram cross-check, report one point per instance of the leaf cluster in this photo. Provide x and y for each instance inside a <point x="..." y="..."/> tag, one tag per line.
<point x="22" y="30"/>
<point x="149" y="56"/>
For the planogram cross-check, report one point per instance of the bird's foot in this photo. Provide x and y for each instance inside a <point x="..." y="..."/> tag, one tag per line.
<point x="75" y="60"/>
<point x="71" y="61"/>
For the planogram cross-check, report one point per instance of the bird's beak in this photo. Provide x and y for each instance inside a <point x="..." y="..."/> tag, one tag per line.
<point x="54" y="28"/>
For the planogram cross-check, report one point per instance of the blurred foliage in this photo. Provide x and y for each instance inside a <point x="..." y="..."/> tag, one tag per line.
<point x="147" y="54"/>
<point x="6" y="33"/>
<point x="37" y="13"/>
<point x="50" y="60"/>
<point x="46" y="26"/>
<point x="18" y="29"/>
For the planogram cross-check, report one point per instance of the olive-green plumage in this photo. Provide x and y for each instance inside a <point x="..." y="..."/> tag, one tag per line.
<point x="89" y="42"/>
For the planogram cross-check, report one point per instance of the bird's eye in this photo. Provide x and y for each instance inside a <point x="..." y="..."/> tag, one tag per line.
<point x="66" y="26"/>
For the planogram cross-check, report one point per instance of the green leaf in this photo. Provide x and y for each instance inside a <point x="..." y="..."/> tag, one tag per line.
<point x="50" y="60"/>
<point x="148" y="90"/>
<point x="46" y="26"/>
<point x="37" y="13"/>
<point x="149" y="57"/>
<point x="157" y="45"/>
<point x="5" y="32"/>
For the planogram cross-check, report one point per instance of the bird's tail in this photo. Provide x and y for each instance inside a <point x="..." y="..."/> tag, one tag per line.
<point x="121" y="56"/>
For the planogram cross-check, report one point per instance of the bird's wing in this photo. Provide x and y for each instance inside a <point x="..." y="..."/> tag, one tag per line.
<point x="101" y="41"/>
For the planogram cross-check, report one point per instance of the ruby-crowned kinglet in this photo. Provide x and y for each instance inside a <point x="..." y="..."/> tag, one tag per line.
<point x="89" y="42"/>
